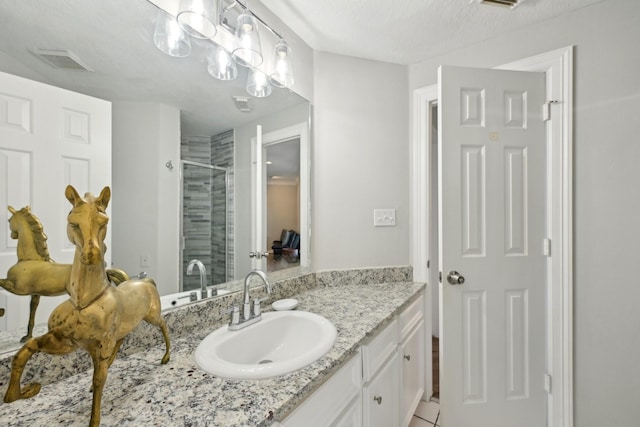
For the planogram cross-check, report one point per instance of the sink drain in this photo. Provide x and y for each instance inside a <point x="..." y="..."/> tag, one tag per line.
<point x="262" y="362"/>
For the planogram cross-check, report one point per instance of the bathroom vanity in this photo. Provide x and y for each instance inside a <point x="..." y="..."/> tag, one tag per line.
<point x="380" y="385"/>
<point x="376" y="364"/>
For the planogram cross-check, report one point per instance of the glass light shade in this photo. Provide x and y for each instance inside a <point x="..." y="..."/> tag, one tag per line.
<point x="249" y="51"/>
<point x="220" y="64"/>
<point x="282" y="75"/>
<point x="169" y="37"/>
<point x="198" y="17"/>
<point x="258" y="84"/>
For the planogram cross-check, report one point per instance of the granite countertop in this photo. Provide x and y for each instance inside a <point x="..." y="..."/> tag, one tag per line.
<point x="142" y="392"/>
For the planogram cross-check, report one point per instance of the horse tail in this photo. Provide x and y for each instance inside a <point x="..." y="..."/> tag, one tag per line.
<point x="117" y="276"/>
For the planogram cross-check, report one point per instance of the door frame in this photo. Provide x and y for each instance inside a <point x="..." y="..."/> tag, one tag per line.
<point x="558" y="67"/>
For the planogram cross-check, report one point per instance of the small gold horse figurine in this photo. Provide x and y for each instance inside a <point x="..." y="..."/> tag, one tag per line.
<point x="98" y="315"/>
<point x="35" y="273"/>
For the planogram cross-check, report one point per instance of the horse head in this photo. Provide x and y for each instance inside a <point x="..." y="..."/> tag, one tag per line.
<point x="13" y="226"/>
<point x="87" y="223"/>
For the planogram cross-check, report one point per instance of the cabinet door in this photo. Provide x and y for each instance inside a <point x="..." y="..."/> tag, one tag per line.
<point x="352" y="416"/>
<point x="333" y="400"/>
<point x="412" y="365"/>
<point x="381" y="396"/>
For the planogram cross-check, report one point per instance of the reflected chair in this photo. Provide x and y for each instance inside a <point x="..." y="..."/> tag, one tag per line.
<point x="286" y="239"/>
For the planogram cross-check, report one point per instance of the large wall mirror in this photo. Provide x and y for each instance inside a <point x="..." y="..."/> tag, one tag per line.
<point x="183" y="146"/>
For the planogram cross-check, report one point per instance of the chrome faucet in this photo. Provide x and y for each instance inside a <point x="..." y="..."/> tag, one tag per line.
<point x="248" y="316"/>
<point x="141" y="275"/>
<point x="204" y="293"/>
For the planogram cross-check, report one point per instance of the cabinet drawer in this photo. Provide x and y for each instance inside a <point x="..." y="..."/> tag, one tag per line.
<point x="331" y="399"/>
<point x="378" y="351"/>
<point x="411" y="316"/>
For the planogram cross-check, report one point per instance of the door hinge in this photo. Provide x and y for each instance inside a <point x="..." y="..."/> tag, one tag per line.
<point x="546" y="247"/>
<point x="546" y="109"/>
<point x="547" y="383"/>
<point x="428" y="263"/>
<point x="440" y="276"/>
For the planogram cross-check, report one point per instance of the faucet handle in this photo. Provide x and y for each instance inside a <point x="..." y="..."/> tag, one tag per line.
<point x="257" y="310"/>
<point x="235" y="315"/>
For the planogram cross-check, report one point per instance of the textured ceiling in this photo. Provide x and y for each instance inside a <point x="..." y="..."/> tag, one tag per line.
<point x="407" y="31"/>
<point x="115" y="39"/>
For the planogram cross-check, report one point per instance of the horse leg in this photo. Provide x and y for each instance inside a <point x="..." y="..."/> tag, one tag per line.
<point x="33" y="306"/>
<point x="100" y="370"/>
<point x="155" y="319"/>
<point x="112" y="357"/>
<point x="48" y="343"/>
<point x="165" y="334"/>
<point x="115" y="352"/>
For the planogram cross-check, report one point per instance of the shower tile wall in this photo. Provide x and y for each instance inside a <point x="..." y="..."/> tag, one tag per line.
<point x="222" y="155"/>
<point x="204" y="208"/>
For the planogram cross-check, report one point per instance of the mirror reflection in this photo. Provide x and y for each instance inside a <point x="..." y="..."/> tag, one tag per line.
<point x="181" y="149"/>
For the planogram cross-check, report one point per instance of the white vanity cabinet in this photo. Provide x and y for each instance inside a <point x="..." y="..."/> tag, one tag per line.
<point x="380" y="373"/>
<point x="379" y="387"/>
<point x="335" y="403"/>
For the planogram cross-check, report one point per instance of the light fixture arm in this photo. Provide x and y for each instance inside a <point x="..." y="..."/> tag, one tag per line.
<point x="244" y="7"/>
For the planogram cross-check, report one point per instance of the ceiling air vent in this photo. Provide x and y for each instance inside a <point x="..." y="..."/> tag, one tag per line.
<point x="511" y="4"/>
<point x="242" y="104"/>
<point x="61" y="59"/>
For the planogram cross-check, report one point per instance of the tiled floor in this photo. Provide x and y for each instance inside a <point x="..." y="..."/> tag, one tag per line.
<point x="426" y="415"/>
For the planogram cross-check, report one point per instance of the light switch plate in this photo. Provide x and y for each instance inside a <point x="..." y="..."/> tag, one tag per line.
<point x="384" y="217"/>
<point x="145" y="260"/>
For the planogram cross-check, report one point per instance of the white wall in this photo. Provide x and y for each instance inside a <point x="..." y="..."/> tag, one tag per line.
<point x="283" y="210"/>
<point x="360" y="158"/>
<point x="146" y="195"/>
<point x="606" y="192"/>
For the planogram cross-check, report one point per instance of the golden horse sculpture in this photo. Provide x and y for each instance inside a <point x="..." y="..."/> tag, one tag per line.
<point x="97" y="316"/>
<point x="35" y="273"/>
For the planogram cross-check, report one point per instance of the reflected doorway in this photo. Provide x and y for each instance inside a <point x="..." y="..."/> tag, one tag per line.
<point x="282" y="166"/>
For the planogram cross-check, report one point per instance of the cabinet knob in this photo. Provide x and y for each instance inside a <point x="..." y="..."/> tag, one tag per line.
<point x="378" y="399"/>
<point x="407" y="357"/>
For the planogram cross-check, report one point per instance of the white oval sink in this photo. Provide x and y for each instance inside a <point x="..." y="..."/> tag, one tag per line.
<point x="281" y="342"/>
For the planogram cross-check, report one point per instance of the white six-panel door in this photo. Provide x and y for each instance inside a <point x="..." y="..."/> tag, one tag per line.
<point x="49" y="138"/>
<point x="492" y="211"/>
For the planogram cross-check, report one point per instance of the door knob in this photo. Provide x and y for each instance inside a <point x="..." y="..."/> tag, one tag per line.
<point x="455" y="278"/>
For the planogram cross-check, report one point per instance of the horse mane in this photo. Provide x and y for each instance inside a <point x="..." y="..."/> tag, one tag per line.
<point x="39" y="237"/>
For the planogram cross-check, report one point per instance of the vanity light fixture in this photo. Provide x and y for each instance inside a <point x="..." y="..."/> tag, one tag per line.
<point x="240" y="45"/>
<point x="220" y="64"/>
<point x="169" y="37"/>
<point x="249" y="53"/>
<point x="282" y="75"/>
<point x="198" y="18"/>
<point x="258" y="84"/>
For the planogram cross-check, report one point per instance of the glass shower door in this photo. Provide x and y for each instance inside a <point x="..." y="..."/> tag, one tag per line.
<point x="205" y="222"/>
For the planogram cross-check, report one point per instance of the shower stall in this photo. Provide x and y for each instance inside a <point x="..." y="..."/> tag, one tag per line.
<point x="205" y="223"/>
